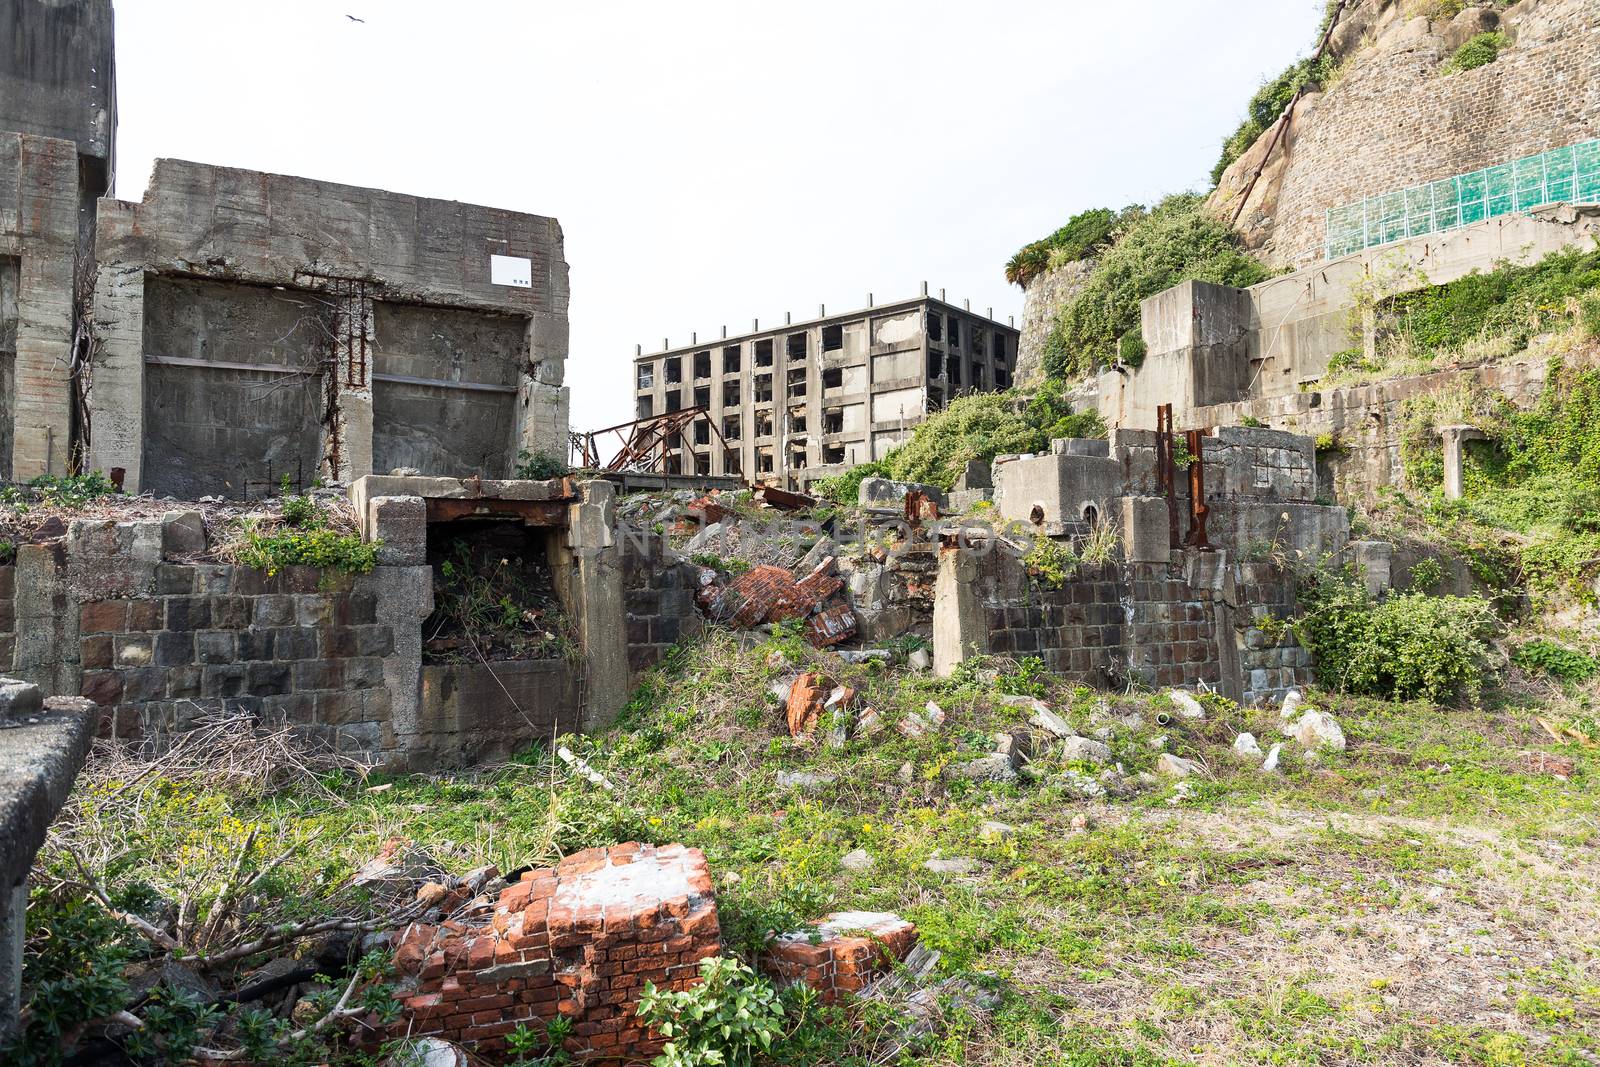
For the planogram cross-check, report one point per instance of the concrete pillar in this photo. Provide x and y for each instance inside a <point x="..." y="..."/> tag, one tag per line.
<point x="46" y="620"/>
<point x="1376" y="561"/>
<point x="1146" y="532"/>
<point x="1454" y="436"/>
<point x="347" y="443"/>
<point x="116" y="392"/>
<point x="543" y="402"/>
<point x="959" y="627"/>
<point x="594" y="601"/>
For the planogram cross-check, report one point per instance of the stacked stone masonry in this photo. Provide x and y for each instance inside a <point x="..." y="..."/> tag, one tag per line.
<point x="579" y="940"/>
<point x="1394" y="119"/>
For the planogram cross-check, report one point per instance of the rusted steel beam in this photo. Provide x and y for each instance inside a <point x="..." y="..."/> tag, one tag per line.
<point x="529" y="512"/>
<point x="1199" y="510"/>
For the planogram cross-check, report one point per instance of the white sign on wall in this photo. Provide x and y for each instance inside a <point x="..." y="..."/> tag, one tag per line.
<point x="511" y="270"/>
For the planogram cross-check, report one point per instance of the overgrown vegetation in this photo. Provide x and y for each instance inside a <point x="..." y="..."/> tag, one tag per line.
<point x="540" y="466"/>
<point x="732" y="1017"/>
<point x="1568" y="664"/>
<point x="1083" y="235"/>
<point x="493" y="603"/>
<point x="1268" y="105"/>
<point x="1176" y="241"/>
<point x="1406" y="646"/>
<point x="57" y="491"/>
<point x="303" y="537"/>
<point x="1477" y="52"/>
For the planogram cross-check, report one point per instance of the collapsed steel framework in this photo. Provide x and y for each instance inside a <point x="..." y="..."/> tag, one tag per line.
<point x="647" y="445"/>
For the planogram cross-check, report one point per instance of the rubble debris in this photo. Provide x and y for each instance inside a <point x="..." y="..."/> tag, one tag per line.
<point x="539" y="954"/>
<point x="1187" y="705"/>
<point x="919" y="659"/>
<point x="957" y="865"/>
<point x="1270" y="764"/>
<point x="842" y="952"/>
<point x="1245" y="746"/>
<point x="992" y="830"/>
<point x="918" y="723"/>
<point x="1176" y="766"/>
<point x="577" y="763"/>
<point x="1318" y="730"/>
<point x="995" y="767"/>
<point x="768" y="593"/>
<point x="783" y="500"/>
<point x="857" y="860"/>
<point x="805" y="703"/>
<point x="1085" y="750"/>
<point x="805" y="781"/>
<point x="1532" y="762"/>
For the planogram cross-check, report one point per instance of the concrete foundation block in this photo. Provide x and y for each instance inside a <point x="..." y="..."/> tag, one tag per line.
<point x="1146" y="529"/>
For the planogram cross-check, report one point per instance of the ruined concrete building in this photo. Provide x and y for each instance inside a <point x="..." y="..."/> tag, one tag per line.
<point x="806" y="400"/>
<point x="236" y="327"/>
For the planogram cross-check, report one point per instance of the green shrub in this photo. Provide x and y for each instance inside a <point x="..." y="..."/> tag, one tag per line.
<point x="1131" y="348"/>
<point x="317" y="547"/>
<point x="846" y="488"/>
<point x="58" y="491"/>
<point x="1565" y="663"/>
<point x="539" y="466"/>
<point x="1177" y="241"/>
<point x="731" y="1018"/>
<point x="1080" y="238"/>
<point x="1425" y="574"/>
<point x="1050" y="563"/>
<point x="1480" y="51"/>
<point x="1405" y="647"/>
<point x="1269" y="102"/>
<point x="300" y="512"/>
<point x="1589" y="315"/>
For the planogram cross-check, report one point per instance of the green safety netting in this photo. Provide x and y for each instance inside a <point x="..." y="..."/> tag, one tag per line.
<point x="1570" y="174"/>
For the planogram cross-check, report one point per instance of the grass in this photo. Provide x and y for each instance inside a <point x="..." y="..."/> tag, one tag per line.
<point x="1412" y="900"/>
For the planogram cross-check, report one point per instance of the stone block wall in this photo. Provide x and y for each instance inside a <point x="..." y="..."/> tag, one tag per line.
<point x="1394" y="119"/>
<point x="299" y="647"/>
<point x="578" y="940"/>
<point x="1270" y="663"/>
<point x="1042" y="298"/>
<point x="658" y="598"/>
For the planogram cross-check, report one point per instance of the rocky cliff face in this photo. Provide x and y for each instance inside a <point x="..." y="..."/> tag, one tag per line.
<point x="1043" y="296"/>
<point x="1393" y="116"/>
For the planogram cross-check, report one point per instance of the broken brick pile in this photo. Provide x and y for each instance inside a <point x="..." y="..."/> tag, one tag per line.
<point x="578" y="940"/>
<point x="768" y="593"/>
<point x="845" y="952"/>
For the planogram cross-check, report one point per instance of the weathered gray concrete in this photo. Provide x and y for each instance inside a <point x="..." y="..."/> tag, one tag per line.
<point x="959" y="627"/>
<point x="57" y="72"/>
<point x="40" y="755"/>
<point x="385" y="308"/>
<point x="1078" y="484"/>
<point x="1454" y="439"/>
<point x="594" y="598"/>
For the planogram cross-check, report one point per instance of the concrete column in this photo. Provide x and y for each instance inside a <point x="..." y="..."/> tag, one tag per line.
<point x="543" y="402"/>
<point x="959" y="628"/>
<point x="1454" y="436"/>
<point x="46" y="620"/>
<point x="594" y="600"/>
<point x="1146" y="535"/>
<point x="347" y="443"/>
<point x="116" y="394"/>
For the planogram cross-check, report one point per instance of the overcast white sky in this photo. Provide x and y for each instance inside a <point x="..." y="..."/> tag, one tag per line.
<point x="715" y="162"/>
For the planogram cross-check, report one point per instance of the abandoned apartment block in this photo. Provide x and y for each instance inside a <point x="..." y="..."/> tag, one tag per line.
<point x="805" y="400"/>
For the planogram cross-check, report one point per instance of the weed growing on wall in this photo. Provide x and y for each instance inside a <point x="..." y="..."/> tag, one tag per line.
<point x="303" y="537"/>
<point x="1267" y="105"/>
<point x="1480" y="51"/>
<point x="1176" y="241"/>
<point x="57" y="491"/>
<point x="1082" y="236"/>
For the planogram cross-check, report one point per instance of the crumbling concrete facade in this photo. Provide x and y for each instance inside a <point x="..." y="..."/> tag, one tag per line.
<point x="810" y="399"/>
<point x="251" y="326"/>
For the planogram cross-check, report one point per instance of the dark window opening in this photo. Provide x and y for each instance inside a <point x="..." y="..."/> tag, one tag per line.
<point x="731" y="428"/>
<point x="1002" y="377"/>
<point x="702" y="364"/>
<point x="702" y="432"/>
<point x="935" y="327"/>
<point x="730" y="461"/>
<point x="647" y="407"/>
<point x="832" y="338"/>
<point x="833" y="453"/>
<point x="674" y="465"/>
<point x="674" y="370"/>
<point x="952" y="370"/>
<point x="764" y="461"/>
<point x="647" y="375"/>
<point x="953" y="328"/>
<point x="833" y="378"/>
<point x="997" y="347"/>
<point x="763" y="424"/>
<point x="797" y="346"/>
<point x="763" y="389"/>
<point x="797" y="420"/>
<point x="702" y="463"/>
<point x="976" y="377"/>
<point x="797" y="382"/>
<point x="764" y="353"/>
<point x="730" y="394"/>
<point x="674" y="401"/>
<point x="833" y="421"/>
<point x="935" y="364"/>
<point x="702" y="396"/>
<point x="935" y="399"/>
<point x="797" y="460"/>
<point x="1091" y="515"/>
<point x="730" y="359"/>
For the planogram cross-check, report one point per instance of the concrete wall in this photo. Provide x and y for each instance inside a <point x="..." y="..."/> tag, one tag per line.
<point x="57" y="72"/>
<point x="444" y="390"/>
<point x="214" y="427"/>
<point x="1394" y="120"/>
<point x="344" y="251"/>
<point x="39" y="220"/>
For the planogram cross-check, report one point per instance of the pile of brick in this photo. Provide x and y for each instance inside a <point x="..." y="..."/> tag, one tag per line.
<point x="844" y="952"/>
<point x="767" y="593"/>
<point x="578" y="940"/>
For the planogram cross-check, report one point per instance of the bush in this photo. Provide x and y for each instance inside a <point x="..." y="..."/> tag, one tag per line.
<point x="1480" y="51"/>
<point x="1266" y="106"/>
<point x="1565" y="663"/>
<point x="846" y="488"/>
<point x="1080" y="238"/>
<point x="1406" y="647"/>
<point x="1177" y="241"/>
<point x="57" y="491"/>
<point x="730" y="1018"/>
<point x="317" y="547"/>
<point x="539" y="466"/>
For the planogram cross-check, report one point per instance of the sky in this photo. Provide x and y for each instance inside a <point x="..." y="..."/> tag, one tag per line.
<point x="715" y="162"/>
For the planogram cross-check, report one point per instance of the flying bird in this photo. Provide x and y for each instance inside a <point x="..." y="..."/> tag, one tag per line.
<point x="352" y="18"/>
